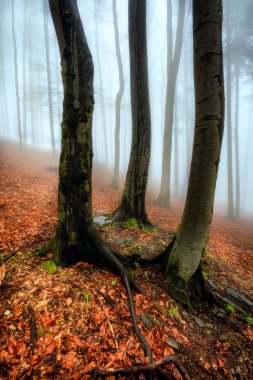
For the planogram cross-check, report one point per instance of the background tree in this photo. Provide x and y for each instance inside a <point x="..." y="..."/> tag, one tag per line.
<point x="49" y="82"/>
<point x="182" y="268"/>
<point x="115" y="179"/>
<point x="16" y="73"/>
<point x="173" y="61"/>
<point x="133" y="200"/>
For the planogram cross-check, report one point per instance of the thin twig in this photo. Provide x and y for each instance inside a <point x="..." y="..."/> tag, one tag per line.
<point x="110" y="326"/>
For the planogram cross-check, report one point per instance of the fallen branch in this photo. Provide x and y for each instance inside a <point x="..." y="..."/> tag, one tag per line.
<point x="30" y="317"/>
<point x="110" y="326"/>
<point x="153" y="367"/>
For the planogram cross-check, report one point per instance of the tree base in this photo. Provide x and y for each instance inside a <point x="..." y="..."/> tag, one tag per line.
<point x="163" y="200"/>
<point x="122" y="214"/>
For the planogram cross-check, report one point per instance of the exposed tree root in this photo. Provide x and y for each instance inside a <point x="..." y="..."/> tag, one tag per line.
<point x="100" y="254"/>
<point x="150" y="368"/>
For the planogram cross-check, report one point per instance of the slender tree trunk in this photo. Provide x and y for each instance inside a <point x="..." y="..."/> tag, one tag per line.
<point x="24" y="72"/>
<point x="100" y="77"/>
<point x="188" y="139"/>
<point x="176" y="158"/>
<point x="49" y="85"/>
<point x="16" y="74"/>
<point x="230" y="212"/>
<point x="164" y="195"/>
<point x="115" y="179"/>
<point x="133" y="200"/>
<point x="182" y="269"/>
<point x="237" y="159"/>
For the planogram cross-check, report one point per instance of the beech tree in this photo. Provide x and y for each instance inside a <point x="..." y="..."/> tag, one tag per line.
<point x="76" y="238"/>
<point x="182" y="266"/>
<point x="133" y="200"/>
<point x="115" y="180"/>
<point x="173" y="60"/>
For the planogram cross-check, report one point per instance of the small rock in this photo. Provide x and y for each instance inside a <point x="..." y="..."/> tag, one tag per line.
<point x="101" y="220"/>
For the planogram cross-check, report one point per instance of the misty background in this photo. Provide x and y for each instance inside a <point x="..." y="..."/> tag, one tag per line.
<point x="33" y="27"/>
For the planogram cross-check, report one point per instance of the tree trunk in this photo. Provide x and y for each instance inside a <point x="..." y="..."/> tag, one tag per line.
<point x="172" y="68"/>
<point x="237" y="159"/>
<point x="176" y="158"/>
<point x="77" y="238"/>
<point x="100" y="77"/>
<point x="182" y="268"/>
<point x="230" y="212"/>
<point x="16" y="74"/>
<point x="188" y="137"/>
<point x="115" y="179"/>
<point x="49" y="85"/>
<point x="24" y="72"/>
<point x="133" y="200"/>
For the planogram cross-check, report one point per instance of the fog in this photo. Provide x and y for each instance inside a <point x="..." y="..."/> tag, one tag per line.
<point x="97" y="18"/>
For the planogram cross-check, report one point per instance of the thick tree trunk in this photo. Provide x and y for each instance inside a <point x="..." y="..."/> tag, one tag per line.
<point x="237" y="153"/>
<point x="115" y="179"/>
<point x="49" y="85"/>
<point x="77" y="238"/>
<point x="16" y="75"/>
<point x="133" y="200"/>
<point x="230" y="212"/>
<point x="172" y="67"/>
<point x="182" y="269"/>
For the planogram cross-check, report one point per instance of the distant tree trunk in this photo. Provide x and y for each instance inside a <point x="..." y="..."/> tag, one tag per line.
<point x="176" y="158"/>
<point x="237" y="159"/>
<point x="182" y="268"/>
<point x="31" y="78"/>
<point x="115" y="179"/>
<point x="6" y="127"/>
<point x="188" y="139"/>
<point x="49" y="85"/>
<point x="16" y="74"/>
<point x="230" y="212"/>
<point x="101" y="89"/>
<point x="172" y="69"/>
<point x="133" y="200"/>
<point x="24" y="72"/>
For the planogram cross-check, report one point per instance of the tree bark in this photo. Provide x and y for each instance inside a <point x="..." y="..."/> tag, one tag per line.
<point x="182" y="269"/>
<point x="115" y="179"/>
<point x="172" y="69"/>
<point x="16" y="74"/>
<point x="133" y="200"/>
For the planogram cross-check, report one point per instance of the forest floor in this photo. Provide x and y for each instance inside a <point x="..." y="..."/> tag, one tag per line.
<point x="63" y="325"/>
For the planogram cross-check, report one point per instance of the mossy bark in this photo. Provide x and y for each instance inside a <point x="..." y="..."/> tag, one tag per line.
<point x="182" y="269"/>
<point x="133" y="200"/>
